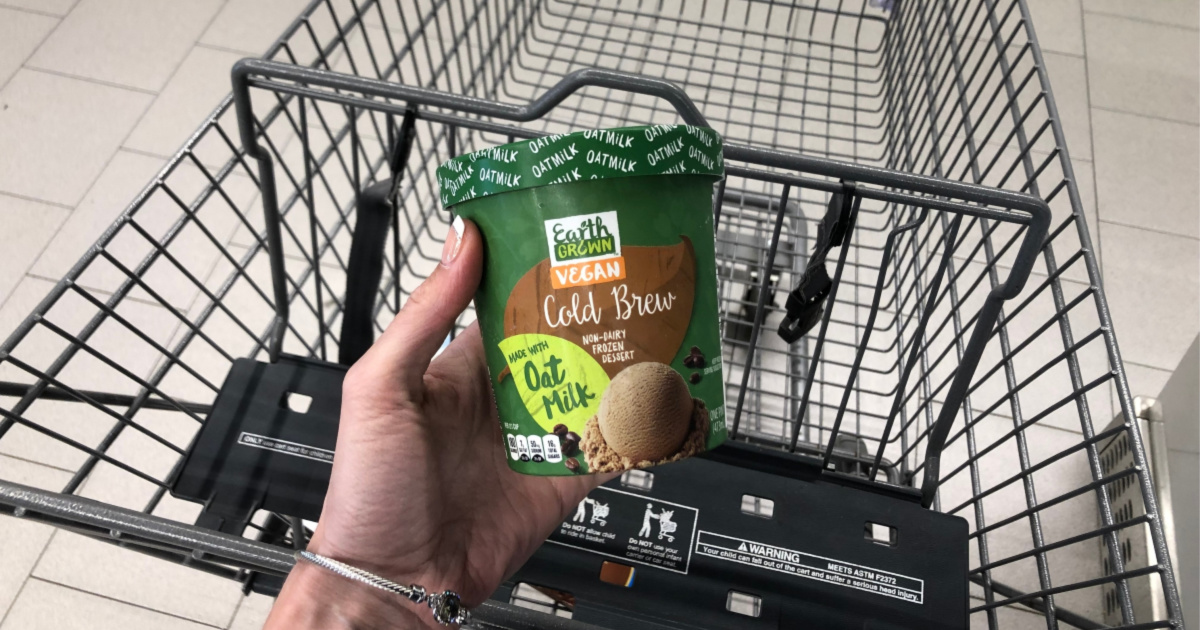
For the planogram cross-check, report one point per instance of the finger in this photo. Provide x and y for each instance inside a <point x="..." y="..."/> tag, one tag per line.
<point x="403" y="352"/>
<point x="466" y="347"/>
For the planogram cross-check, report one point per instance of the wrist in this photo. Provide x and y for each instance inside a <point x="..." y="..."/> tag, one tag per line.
<point x="313" y="597"/>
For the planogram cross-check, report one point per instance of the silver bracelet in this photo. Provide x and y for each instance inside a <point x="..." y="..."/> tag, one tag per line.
<point x="446" y="606"/>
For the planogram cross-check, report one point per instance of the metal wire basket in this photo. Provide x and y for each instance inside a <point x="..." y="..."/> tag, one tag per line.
<point x="936" y="119"/>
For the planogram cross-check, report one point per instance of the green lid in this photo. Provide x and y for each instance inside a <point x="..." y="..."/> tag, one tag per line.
<point x="598" y="154"/>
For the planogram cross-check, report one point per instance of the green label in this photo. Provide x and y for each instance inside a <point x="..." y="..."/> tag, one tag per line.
<point x="585" y="249"/>
<point x="558" y="381"/>
<point x="572" y="157"/>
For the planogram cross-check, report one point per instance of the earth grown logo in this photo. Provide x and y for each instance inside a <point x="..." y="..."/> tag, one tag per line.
<point x="584" y="250"/>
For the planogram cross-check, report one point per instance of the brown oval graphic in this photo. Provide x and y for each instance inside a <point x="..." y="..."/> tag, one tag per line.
<point x="642" y="317"/>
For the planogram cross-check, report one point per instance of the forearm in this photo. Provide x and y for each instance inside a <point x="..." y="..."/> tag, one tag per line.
<point x="313" y="597"/>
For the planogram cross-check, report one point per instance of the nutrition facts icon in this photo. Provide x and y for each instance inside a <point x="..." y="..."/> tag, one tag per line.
<point x="535" y="449"/>
<point x="522" y="448"/>
<point x="553" y="448"/>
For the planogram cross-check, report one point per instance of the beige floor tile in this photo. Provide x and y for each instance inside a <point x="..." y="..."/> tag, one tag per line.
<point x="20" y="34"/>
<point x="1066" y="246"/>
<point x="1146" y="172"/>
<point x="199" y="84"/>
<point x="250" y="26"/>
<point x="22" y="541"/>
<point x="1174" y="12"/>
<point x="123" y="177"/>
<point x="1068" y="80"/>
<point x="252" y="613"/>
<point x="64" y="131"/>
<point x="1152" y="286"/>
<point x="49" y="606"/>
<point x="48" y="7"/>
<point x="128" y="576"/>
<point x="1143" y="68"/>
<point x="137" y="43"/>
<point x="1058" y="25"/>
<point x="28" y="227"/>
<point x="1182" y="435"/>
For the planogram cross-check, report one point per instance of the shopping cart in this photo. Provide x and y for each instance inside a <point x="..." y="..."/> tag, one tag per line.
<point x="957" y="360"/>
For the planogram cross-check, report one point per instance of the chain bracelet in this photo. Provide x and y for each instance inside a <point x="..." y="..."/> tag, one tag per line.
<point x="446" y="606"/>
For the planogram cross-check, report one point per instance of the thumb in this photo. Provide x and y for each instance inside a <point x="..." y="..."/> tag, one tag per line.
<point x="402" y="353"/>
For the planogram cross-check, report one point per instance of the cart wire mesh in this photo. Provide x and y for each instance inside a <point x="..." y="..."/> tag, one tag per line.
<point x="109" y="375"/>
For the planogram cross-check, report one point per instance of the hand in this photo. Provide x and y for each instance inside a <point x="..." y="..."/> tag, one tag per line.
<point x="421" y="491"/>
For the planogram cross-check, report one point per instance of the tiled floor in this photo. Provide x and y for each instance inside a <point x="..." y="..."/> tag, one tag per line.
<point x="96" y="94"/>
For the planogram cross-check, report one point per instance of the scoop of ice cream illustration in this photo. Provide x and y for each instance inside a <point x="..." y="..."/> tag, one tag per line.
<point x="646" y="411"/>
<point x="646" y="417"/>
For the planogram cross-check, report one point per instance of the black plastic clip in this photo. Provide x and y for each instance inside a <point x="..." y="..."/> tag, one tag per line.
<point x="401" y="150"/>
<point x="806" y="303"/>
<point x="375" y="207"/>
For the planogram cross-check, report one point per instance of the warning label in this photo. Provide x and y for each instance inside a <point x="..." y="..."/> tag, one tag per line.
<point x="285" y="447"/>
<point x="632" y="528"/>
<point x="813" y="567"/>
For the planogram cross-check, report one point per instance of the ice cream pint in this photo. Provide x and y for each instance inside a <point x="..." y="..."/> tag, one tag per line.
<point x="598" y="304"/>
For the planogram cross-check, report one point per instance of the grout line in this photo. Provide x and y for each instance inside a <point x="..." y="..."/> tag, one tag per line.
<point x="226" y="49"/>
<point x="1140" y="20"/>
<point x="17" y="596"/>
<point x="213" y="166"/>
<point x="1147" y="366"/>
<point x="149" y="154"/>
<point x="33" y="52"/>
<point x="1057" y="53"/>
<point x="28" y="576"/>
<point x="1097" y="245"/>
<point x="236" y="610"/>
<point x="62" y="18"/>
<point x="56" y="204"/>
<point x="37" y="463"/>
<point x="98" y="290"/>
<point x="121" y="601"/>
<point x="1087" y="77"/>
<point x="1145" y="116"/>
<point x="77" y="77"/>
<point x="33" y="11"/>
<point x="1151" y="230"/>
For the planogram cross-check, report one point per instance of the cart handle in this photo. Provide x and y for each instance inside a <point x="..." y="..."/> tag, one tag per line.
<point x="568" y="85"/>
<point x="243" y="74"/>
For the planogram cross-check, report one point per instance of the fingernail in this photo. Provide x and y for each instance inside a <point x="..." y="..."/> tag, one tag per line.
<point x="453" y="241"/>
